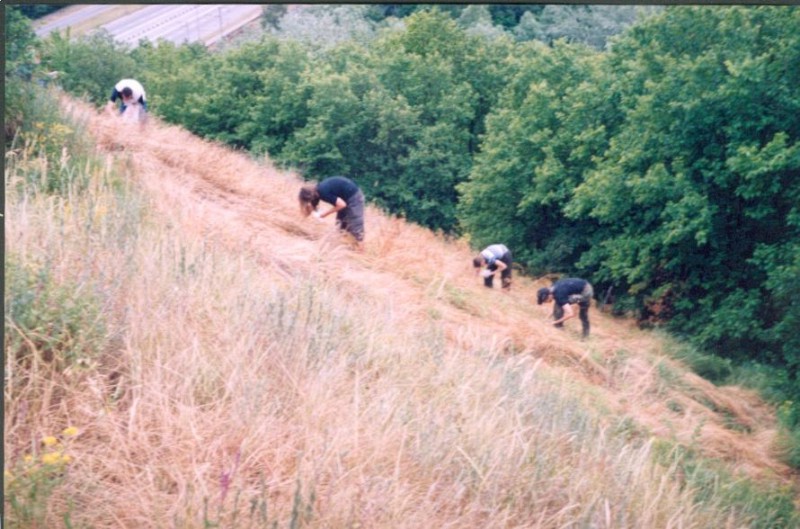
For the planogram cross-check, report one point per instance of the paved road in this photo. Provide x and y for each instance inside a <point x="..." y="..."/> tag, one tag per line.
<point x="68" y="16"/>
<point x="177" y="23"/>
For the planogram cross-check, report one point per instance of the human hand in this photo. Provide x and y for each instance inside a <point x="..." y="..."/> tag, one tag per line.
<point x="486" y="273"/>
<point x="317" y="215"/>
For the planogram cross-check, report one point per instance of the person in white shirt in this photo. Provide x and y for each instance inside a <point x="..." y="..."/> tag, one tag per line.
<point x="133" y="100"/>
<point x="495" y="258"/>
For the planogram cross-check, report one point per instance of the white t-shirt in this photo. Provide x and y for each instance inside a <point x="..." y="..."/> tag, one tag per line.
<point x="493" y="253"/>
<point x="135" y="86"/>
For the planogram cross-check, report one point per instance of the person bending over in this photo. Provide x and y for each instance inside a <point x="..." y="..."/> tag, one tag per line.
<point x="346" y="200"/>
<point x="132" y="98"/>
<point x="494" y="258"/>
<point x="565" y="293"/>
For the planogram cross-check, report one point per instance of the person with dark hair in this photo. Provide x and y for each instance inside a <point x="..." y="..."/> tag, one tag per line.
<point x="495" y="257"/>
<point x="346" y="199"/>
<point x="565" y="293"/>
<point x="133" y="100"/>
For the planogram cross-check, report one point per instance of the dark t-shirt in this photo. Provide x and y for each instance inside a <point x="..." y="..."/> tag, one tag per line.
<point x="565" y="288"/>
<point x="336" y="187"/>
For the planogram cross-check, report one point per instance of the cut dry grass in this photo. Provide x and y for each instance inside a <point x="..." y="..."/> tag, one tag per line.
<point x="257" y="370"/>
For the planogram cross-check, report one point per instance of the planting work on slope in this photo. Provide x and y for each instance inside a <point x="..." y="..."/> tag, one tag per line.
<point x="251" y="358"/>
<point x="186" y="347"/>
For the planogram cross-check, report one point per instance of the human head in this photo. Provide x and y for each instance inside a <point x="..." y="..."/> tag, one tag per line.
<point x="127" y="92"/>
<point x="478" y="261"/>
<point x="309" y="199"/>
<point x="542" y="294"/>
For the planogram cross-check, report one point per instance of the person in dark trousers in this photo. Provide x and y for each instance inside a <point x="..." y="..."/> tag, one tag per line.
<point x="495" y="257"/>
<point x="346" y="200"/>
<point x="565" y="293"/>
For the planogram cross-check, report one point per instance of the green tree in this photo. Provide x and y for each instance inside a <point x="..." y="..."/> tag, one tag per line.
<point x="588" y="24"/>
<point x="400" y="117"/>
<point x="222" y="110"/>
<point x="20" y="43"/>
<point x="477" y="20"/>
<point x="172" y="77"/>
<point x="325" y="26"/>
<point x="418" y="65"/>
<point x="541" y="137"/>
<point x="35" y="11"/>
<point x="355" y="127"/>
<point x="89" y="66"/>
<point x="20" y="63"/>
<point x="510" y="15"/>
<point x="697" y="186"/>
<point x="272" y="14"/>
<point x="334" y="126"/>
<point x="280" y="105"/>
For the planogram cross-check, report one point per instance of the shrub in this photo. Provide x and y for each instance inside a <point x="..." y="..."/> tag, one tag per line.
<point x="59" y="323"/>
<point x="31" y="481"/>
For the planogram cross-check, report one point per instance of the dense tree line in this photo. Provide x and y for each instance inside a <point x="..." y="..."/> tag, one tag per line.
<point x="588" y="24"/>
<point x="665" y="165"/>
<point x="666" y="168"/>
<point x="34" y="11"/>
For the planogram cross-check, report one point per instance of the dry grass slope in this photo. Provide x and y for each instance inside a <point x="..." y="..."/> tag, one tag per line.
<point x="441" y="435"/>
<point x="241" y="204"/>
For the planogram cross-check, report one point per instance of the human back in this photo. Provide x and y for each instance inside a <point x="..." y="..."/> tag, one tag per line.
<point x="137" y="92"/>
<point x="565" y="289"/>
<point x="337" y="187"/>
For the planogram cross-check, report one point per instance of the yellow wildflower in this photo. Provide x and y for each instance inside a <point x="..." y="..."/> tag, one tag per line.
<point x="66" y="459"/>
<point x="52" y="458"/>
<point x="28" y="458"/>
<point x="49" y="441"/>
<point x="70" y="431"/>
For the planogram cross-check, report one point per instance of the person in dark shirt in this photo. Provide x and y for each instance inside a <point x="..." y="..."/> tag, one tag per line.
<point x="347" y="202"/>
<point x="495" y="257"/>
<point x="565" y="293"/>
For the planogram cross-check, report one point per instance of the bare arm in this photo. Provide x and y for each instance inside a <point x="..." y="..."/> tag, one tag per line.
<point x="340" y="204"/>
<point x="500" y="267"/>
<point x="568" y="313"/>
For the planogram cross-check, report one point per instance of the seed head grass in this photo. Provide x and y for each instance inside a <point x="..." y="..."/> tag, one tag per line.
<point x="256" y="371"/>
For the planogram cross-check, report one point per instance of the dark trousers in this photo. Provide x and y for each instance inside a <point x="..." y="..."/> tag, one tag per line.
<point x="351" y="218"/>
<point x="505" y="275"/>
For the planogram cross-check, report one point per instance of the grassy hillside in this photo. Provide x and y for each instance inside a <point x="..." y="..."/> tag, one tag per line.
<point x="184" y="350"/>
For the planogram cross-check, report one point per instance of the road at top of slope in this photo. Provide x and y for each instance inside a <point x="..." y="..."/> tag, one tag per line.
<point x="176" y="23"/>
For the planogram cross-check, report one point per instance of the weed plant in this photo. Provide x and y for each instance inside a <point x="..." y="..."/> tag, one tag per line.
<point x="30" y="483"/>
